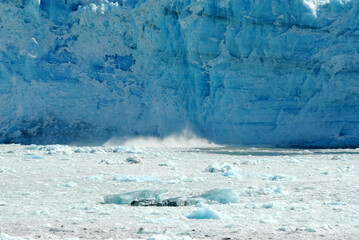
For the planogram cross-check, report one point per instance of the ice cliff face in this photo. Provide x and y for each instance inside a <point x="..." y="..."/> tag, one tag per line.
<point x="249" y="72"/>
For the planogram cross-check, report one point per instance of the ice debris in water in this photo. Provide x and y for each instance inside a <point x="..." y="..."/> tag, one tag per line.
<point x="133" y="159"/>
<point x="70" y="184"/>
<point x="93" y="178"/>
<point x="223" y="196"/>
<point x="226" y="169"/>
<point x="272" y="189"/>
<point x="170" y="202"/>
<point x="250" y="162"/>
<point x="216" y="168"/>
<point x="154" y="198"/>
<point x="278" y="177"/>
<point x="133" y="178"/>
<point x="4" y="236"/>
<point x="6" y="169"/>
<point x="164" y="237"/>
<point x="129" y="197"/>
<point x="282" y="178"/>
<point x="206" y="213"/>
<point x="31" y="156"/>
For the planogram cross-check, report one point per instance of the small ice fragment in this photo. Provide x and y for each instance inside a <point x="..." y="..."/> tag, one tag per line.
<point x="30" y="156"/>
<point x="308" y="229"/>
<point x="223" y="196"/>
<point x="206" y="213"/>
<point x="129" y="197"/>
<point x="92" y="178"/>
<point x="250" y="162"/>
<point x="272" y="189"/>
<point x="164" y="237"/>
<point x="230" y="173"/>
<point x="133" y="159"/>
<point x="215" y="168"/>
<point x="133" y="178"/>
<point x="282" y="178"/>
<point x="6" y="169"/>
<point x="70" y="184"/>
<point x="268" y="205"/>
<point x="335" y="203"/>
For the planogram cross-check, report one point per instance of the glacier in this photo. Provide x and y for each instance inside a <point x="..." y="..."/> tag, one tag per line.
<point x="251" y="72"/>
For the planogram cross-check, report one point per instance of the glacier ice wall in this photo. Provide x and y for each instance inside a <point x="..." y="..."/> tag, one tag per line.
<point x="249" y="72"/>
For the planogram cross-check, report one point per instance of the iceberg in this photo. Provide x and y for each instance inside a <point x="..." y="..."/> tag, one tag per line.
<point x="129" y="197"/>
<point x="252" y="73"/>
<point x="207" y="213"/>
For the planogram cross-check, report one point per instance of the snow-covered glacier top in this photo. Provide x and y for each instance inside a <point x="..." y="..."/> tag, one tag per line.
<point x="249" y="72"/>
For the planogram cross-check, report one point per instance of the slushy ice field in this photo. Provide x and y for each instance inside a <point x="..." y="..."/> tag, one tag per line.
<point x="213" y="192"/>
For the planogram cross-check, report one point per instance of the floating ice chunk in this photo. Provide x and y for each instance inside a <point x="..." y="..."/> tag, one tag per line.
<point x="170" y="164"/>
<point x="56" y="149"/>
<point x="182" y="178"/>
<point x="31" y="156"/>
<point x="129" y="197"/>
<point x="93" y="178"/>
<point x="216" y="168"/>
<point x="4" y="236"/>
<point x="230" y="173"/>
<point x="121" y="149"/>
<point x="6" y="169"/>
<point x="227" y="170"/>
<point x="262" y="176"/>
<point x="250" y="162"/>
<point x="310" y="229"/>
<point x="33" y="147"/>
<point x="164" y="237"/>
<point x="272" y="189"/>
<point x="335" y="203"/>
<point x="170" y="202"/>
<point x="133" y="178"/>
<point x="70" y="184"/>
<point x="268" y="220"/>
<point x="268" y="205"/>
<point x="206" y="213"/>
<point x="133" y="159"/>
<point x="223" y="196"/>
<point x="282" y="178"/>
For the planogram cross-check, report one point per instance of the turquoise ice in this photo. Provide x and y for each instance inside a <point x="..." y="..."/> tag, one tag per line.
<point x="250" y="72"/>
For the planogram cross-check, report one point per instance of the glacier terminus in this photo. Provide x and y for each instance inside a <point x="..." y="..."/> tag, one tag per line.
<point x="251" y="72"/>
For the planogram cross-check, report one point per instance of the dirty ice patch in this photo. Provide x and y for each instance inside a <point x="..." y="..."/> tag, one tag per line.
<point x="207" y="213"/>
<point x="133" y="159"/>
<point x="129" y="197"/>
<point x="134" y="178"/>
